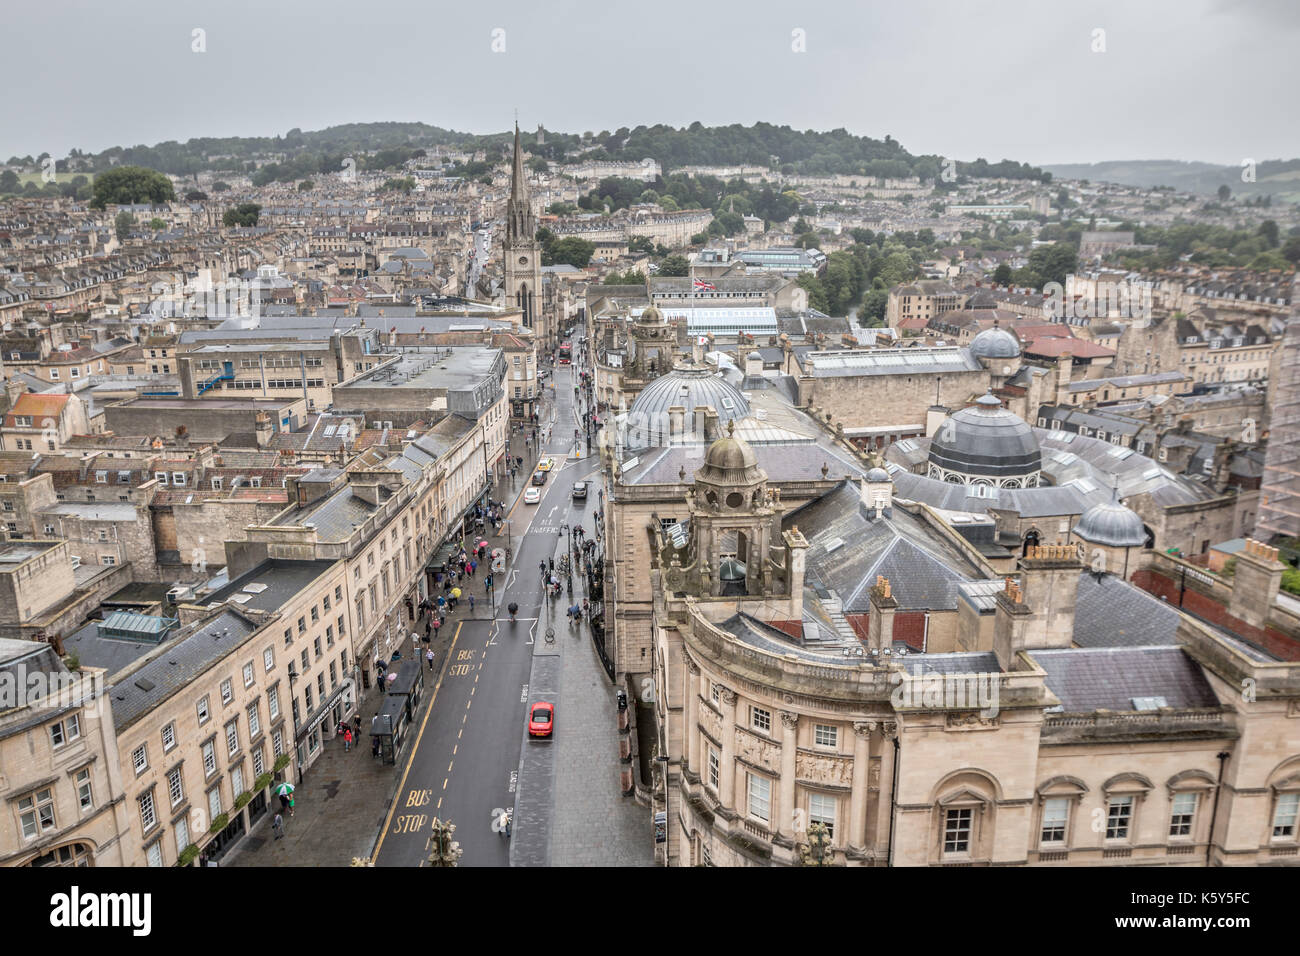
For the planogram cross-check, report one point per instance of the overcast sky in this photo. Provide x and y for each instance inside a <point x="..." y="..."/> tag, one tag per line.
<point x="1212" y="80"/>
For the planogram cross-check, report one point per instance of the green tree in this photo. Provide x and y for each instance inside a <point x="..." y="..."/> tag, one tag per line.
<point x="155" y="224"/>
<point x="816" y="293"/>
<point x="1224" y="193"/>
<point x="131" y="184"/>
<point x="571" y="250"/>
<point x="195" y="195"/>
<point x="669" y="204"/>
<point x="1002" y="274"/>
<point x="1268" y="230"/>
<point x="674" y="266"/>
<point x="801" y="225"/>
<point x="631" y="277"/>
<point x="699" y="239"/>
<point x="245" y="214"/>
<point x="9" y="181"/>
<point x="872" y="313"/>
<point x="306" y="186"/>
<point x="1291" y="251"/>
<point x="220" y="187"/>
<point x="402" y="184"/>
<point x="123" y="222"/>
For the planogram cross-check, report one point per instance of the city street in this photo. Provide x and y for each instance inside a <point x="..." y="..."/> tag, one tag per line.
<point x="471" y="757"/>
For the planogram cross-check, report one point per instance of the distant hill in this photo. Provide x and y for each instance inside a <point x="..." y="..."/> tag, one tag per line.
<point x="299" y="155"/>
<point x="1279" y="178"/>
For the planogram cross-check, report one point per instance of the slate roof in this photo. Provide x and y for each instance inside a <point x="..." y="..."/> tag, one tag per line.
<point x="175" y="665"/>
<point x="846" y="550"/>
<point x="1088" y="679"/>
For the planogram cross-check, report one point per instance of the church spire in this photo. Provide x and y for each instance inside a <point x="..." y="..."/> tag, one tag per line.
<point x="518" y="184"/>
<point x="520" y="224"/>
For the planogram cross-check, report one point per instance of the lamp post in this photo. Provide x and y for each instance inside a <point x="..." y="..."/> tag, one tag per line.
<point x="443" y="850"/>
<point x="816" y="852"/>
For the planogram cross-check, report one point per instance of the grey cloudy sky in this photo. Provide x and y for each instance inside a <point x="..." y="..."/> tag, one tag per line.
<point x="1211" y="80"/>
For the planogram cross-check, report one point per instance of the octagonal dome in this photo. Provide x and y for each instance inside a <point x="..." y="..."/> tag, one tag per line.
<point x="985" y="441"/>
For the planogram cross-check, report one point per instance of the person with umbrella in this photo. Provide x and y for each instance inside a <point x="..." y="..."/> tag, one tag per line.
<point x="455" y="596"/>
<point x="285" y="792"/>
<point x="513" y="608"/>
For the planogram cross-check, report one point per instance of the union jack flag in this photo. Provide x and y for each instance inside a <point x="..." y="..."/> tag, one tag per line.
<point x="702" y="286"/>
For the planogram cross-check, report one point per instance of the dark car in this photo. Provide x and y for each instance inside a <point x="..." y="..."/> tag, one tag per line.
<point x="579" y="489"/>
<point x="539" y="477"/>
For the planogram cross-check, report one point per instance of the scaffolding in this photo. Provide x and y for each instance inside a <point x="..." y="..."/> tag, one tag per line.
<point x="1279" y="510"/>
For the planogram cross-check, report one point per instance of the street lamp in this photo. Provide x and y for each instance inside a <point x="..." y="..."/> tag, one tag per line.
<point x="443" y="850"/>
<point x="816" y="852"/>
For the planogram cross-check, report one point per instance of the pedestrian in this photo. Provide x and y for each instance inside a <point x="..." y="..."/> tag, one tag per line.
<point x="290" y="804"/>
<point x="471" y="604"/>
<point x="347" y="739"/>
<point x="356" y="722"/>
<point x="284" y="802"/>
<point x="277" y="825"/>
<point x="429" y="657"/>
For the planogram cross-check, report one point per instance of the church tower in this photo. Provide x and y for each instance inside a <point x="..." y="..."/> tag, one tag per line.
<point x="522" y="253"/>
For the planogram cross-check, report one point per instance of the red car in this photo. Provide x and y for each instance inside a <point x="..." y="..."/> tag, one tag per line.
<point x="541" y="717"/>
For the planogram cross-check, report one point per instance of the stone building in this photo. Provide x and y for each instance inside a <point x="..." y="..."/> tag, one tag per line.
<point x="1063" y="695"/>
<point x="61" y="774"/>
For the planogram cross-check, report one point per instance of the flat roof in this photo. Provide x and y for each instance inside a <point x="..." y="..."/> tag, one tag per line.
<point x="196" y="403"/>
<point x="450" y="368"/>
<point x="270" y="585"/>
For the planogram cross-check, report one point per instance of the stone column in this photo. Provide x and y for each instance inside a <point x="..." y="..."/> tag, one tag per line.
<point x="889" y="733"/>
<point x="862" y="731"/>
<point x="789" y="747"/>
<point x="692" y="728"/>
<point x="727" y="785"/>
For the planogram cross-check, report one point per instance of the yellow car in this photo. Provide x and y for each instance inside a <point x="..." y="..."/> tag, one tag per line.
<point x="546" y="464"/>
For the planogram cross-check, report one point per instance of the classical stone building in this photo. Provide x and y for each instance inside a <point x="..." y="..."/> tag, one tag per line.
<point x="1064" y="696"/>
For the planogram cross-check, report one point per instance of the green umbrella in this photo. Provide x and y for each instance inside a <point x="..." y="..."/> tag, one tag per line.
<point x="283" y="789"/>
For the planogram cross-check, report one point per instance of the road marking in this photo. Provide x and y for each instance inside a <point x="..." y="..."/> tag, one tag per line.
<point x="454" y="748"/>
<point x="411" y="757"/>
<point x="444" y="783"/>
<point x="450" y="765"/>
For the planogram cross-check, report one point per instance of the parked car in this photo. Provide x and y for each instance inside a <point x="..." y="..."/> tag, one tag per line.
<point x="541" y="719"/>
<point x="532" y="496"/>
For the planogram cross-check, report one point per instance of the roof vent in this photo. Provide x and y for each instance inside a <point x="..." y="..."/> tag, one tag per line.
<point x="145" y="684"/>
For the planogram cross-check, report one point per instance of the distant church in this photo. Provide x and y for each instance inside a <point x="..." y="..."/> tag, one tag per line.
<point x="522" y="253"/>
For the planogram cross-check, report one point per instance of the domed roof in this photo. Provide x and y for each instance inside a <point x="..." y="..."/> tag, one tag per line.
<point x="986" y="440"/>
<point x="754" y="356"/>
<point x="650" y="316"/>
<point x="731" y="461"/>
<point x="689" y="386"/>
<point x="878" y="474"/>
<point x="995" y="343"/>
<point x="1112" y="524"/>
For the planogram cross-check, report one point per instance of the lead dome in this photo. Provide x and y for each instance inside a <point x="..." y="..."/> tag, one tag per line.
<point x="986" y="444"/>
